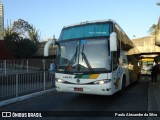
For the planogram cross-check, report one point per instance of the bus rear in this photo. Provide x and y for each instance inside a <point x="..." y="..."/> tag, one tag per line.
<point x="147" y="64"/>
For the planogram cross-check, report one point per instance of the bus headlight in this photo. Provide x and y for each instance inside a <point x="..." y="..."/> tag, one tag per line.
<point x="59" y="80"/>
<point x="101" y="82"/>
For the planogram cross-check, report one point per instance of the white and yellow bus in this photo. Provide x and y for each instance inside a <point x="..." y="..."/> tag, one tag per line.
<point x="147" y="64"/>
<point x="95" y="57"/>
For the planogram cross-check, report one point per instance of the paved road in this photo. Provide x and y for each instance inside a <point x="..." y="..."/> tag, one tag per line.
<point x="134" y="99"/>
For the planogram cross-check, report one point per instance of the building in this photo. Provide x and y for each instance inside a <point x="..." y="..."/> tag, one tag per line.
<point x="5" y="53"/>
<point x="1" y="21"/>
<point x="149" y="46"/>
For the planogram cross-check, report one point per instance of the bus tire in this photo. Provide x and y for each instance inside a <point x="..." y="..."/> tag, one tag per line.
<point x="123" y="85"/>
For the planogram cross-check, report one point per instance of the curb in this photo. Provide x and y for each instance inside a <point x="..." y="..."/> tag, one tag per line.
<point x="21" y="98"/>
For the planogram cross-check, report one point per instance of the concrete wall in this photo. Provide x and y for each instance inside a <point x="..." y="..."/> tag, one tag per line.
<point x="40" y="52"/>
<point x="146" y="44"/>
<point x="5" y="53"/>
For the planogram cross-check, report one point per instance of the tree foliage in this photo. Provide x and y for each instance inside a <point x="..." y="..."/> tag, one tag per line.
<point x="26" y="30"/>
<point x="153" y="29"/>
<point x="20" y="45"/>
<point x="25" y="48"/>
<point x="20" y="48"/>
<point x="33" y="35"/>
<point x="158" y="3"/>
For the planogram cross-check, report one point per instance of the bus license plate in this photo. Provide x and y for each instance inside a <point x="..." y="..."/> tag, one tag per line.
<point x="78" y="89"/>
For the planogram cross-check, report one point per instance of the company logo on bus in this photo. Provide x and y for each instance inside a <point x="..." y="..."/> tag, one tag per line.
<point x="78" y="81"/>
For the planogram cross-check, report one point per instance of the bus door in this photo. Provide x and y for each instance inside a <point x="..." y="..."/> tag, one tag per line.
<point x="124" y="66"/>
<point x="115" y="71"/>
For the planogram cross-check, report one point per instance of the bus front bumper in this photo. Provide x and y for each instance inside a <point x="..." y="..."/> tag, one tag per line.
<point x="104" y="89"/>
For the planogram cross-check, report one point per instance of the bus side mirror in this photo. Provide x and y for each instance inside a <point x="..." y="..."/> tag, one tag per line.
<point x="113" y="42"/>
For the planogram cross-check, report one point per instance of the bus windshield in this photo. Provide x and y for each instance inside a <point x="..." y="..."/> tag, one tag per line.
<point x="89" y="55"/>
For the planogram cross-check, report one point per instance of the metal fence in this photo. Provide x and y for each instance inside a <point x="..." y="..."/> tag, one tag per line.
<point x="21" y="66"/>
<point x="21" y="77"/>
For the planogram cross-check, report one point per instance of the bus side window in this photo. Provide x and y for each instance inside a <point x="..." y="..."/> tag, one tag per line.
<point x="116" y="56"/>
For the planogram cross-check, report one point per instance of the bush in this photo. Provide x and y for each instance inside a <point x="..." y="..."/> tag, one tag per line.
<point x="21" y="48"/>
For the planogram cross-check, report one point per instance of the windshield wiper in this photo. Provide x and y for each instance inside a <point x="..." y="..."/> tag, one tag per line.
<point x="72" y="61"/>
<point x="86" y="60"/>
<point x="74" y="58"/>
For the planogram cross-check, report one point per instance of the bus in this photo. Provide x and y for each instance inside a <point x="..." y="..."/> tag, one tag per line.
<point x="95" y="57"/>
<point x="147" y="64"/>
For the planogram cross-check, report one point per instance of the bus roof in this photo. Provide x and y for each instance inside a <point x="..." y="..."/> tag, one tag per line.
<point x="95" y="21"/>
<point x="90" y="22"/>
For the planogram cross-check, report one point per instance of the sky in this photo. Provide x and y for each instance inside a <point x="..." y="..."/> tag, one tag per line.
<point x="49" y="16"/>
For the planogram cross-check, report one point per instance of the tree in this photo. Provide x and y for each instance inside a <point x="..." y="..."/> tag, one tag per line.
<point x="20" y="45"/>
<point x="153" y="29"/>
<point x="158" y="3"/>
<point x="33" y="35"/>
<point x="26" y="48"/>
<point x="20" y="48"/>
<point x="26" y="30"/>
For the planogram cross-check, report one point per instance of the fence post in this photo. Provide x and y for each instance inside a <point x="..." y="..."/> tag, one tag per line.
<point x="44" y="74"/>
<point x="16" y="85"/>
<point x="5" y="67"/>
<point x="44" y="80"/>
<point x="27" y="65"/>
